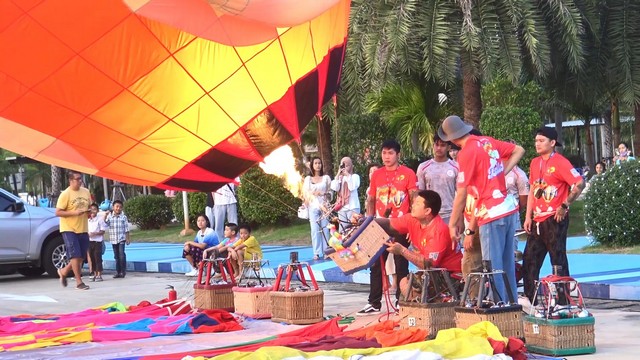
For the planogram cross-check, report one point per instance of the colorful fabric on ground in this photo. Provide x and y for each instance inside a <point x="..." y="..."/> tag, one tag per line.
<point x="327" y="340"/>
<point x="107" y="324"/>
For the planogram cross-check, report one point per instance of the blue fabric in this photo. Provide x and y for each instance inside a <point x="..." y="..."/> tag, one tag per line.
<point x="496" y="239"/>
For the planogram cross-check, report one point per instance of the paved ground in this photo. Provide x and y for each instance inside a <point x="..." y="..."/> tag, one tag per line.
<point x="616" y="321"/>
<point x="602" y="276"/>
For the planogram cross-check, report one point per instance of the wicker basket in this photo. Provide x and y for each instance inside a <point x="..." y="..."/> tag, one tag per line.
<point x="560" y="337"/>
<point x="508" y="319"/>
<point x="432" y="316"/>
<point x="253" y="302"/>
<point x="213" y="296"/>
<point x="297" y="307"/>
<point x="369" y="241"/>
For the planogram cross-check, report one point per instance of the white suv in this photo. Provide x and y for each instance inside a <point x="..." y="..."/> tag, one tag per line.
<point x="30" y="240"/>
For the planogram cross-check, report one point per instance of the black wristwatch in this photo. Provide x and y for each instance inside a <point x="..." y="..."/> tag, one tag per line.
<point x="468" y="232"/>
<point x="565" y="206"/>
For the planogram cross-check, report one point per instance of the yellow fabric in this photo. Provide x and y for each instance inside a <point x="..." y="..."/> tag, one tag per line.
<point x="252" y="247"/>
<point x="450" y="344"/>
<point x="71" y="200"/>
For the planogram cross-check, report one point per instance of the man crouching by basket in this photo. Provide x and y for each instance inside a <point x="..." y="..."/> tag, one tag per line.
<point x="429" y="236"/>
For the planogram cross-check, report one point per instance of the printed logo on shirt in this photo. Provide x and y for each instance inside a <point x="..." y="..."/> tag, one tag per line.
<point x="461" y="177"/>
<point x="575" y="172"/>
<point x="450" y="173"/>
<point x="434" y="255"/>
<point x="496" y="166"/>
<point x="551" y="170"/>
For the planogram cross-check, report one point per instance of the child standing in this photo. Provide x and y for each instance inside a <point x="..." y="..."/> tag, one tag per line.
<point x="245" y="249"/>
<point x="97" y="228"/>
<point x="118" y="236"/>
<point x="205" y="238"/>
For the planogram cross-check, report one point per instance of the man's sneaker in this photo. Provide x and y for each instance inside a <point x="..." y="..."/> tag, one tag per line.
<point x="368" y="310"/>
<point x="193" y="272"/>
<point x="526" y="304"/>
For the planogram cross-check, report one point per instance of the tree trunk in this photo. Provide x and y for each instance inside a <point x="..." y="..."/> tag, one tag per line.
<point x="636" y="130"/>
<point x="56" y="180"/>
<point x="558" y="117"/>
<point x="615" y="121"/>
<point x="588" y="139"/>
<point x="472" y="100"/>
<point x="324" y="145"/>
<point x="607" y="145"/>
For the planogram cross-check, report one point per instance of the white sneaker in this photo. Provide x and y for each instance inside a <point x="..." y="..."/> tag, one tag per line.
<point x="193" y="272"/>
<point x="368" y="310"/>
<point x="527" y="307"/>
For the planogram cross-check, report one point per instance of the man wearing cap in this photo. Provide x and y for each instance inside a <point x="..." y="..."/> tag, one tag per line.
<point x="482" y="174"/>
<point x="551" y="177"/>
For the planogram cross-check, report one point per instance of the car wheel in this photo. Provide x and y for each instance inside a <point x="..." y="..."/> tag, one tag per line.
<point x="54" y="256"/>
<point x="31" y="271"/>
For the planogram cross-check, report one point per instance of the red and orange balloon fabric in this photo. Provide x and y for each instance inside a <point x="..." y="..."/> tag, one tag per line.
<point x="179" y="94"/>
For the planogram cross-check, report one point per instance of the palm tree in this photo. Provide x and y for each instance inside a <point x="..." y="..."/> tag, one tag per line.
<point x="444" y="41"/>
<point x="405" y="110"/>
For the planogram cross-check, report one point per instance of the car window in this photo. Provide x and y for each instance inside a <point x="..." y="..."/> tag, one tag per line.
<point x="5" y="204"/>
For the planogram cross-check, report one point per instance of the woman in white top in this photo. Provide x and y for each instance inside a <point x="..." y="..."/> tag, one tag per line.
<point x="346" y="185"/>
<point x="316" y="186"/>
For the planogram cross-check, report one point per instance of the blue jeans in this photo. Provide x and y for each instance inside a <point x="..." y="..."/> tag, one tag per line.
<point x="318" y="241"/>
<point x="120" y="257"/>
<point x="496" y="239"/>
<point x="220" y="212"/>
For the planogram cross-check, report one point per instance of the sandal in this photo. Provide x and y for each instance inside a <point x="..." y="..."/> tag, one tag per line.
<point x="63" y="279"/>
<point x="82" y="286"/>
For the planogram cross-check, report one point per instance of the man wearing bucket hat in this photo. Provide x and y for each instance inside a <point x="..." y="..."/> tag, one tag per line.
<point x="555" y="184"/>
<point x="482" y="172"/>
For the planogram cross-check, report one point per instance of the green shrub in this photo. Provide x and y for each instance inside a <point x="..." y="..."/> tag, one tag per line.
<point x="517" y="123"/>
<point x="149" y="211"/>
<point x="264" y="199"/>
<point x="612" y="206"/>
<point x="197" y="204"/>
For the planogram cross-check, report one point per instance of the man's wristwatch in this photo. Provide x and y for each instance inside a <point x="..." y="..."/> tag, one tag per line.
<point x="565" y="206"/>
<point x="468" y="232"/>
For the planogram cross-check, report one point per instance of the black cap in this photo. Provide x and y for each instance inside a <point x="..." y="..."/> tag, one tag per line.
<point x="550" y="133"/>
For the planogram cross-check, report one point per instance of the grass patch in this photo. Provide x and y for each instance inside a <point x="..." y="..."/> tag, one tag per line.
<point x="601" y="249"/>
<point x="298" y="233"/>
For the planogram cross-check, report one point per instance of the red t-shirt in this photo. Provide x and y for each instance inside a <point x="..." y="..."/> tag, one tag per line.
<point x="432" y="241"/>
<point x="482" y="167"/>
<point x="391" y="190"/>
<point x="555" y="177"/>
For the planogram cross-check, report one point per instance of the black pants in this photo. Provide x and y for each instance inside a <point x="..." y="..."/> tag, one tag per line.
<point x="375" y="279"/>
<point x="550" y="237"/>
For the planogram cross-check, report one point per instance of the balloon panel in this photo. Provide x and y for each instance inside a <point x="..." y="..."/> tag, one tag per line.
<point x="177" y="94"/>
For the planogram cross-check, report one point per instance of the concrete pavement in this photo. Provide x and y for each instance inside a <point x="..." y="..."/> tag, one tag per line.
<point x="602" y="276"/>
<point x="616" y="321"/>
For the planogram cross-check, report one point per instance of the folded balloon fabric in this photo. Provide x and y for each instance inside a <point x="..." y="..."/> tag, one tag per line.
<point x="111" y="323"/>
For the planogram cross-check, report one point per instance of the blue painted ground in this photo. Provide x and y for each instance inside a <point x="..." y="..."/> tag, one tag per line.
<point x="603" y="276"/>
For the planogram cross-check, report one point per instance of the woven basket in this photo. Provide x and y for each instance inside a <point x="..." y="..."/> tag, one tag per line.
<point x="297" y="307"/>
<point x="433" y="316"/>
<point x="369" y="240"/>
<point x="508" y="319"/>
<point x="560" y="337"/>
<point x="254" y="302"/>
<point x="213" y="296"/>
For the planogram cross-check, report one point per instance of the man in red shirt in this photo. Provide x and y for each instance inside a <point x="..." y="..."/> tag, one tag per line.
<point x="482" y="171"/>
<point x="546" y="222"/>
<point x="391" y="189"/>
<point x="429" y="235"/>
